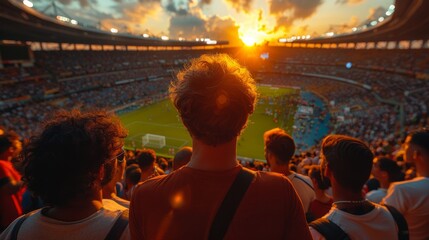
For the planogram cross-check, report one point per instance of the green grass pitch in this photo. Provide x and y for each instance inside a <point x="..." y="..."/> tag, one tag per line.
<point x="162" y="119"/>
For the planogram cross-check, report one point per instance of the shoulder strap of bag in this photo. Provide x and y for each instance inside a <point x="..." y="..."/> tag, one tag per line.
<point x="118" y="228"/>
<point x="15" y="230"/>
<point x="230" y="204"/>
<point x="329" y="229"/>
<point x="403" y="233"/>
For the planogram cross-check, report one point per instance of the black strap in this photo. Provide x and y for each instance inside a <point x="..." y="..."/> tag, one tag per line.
<point x="329" y="229"/>
<point x="403" y="233"/>
<point x="308" y="184"/>
<point x="118" y="228"/>
<point x="230" y="204"/>
<point x="15" y="230"/>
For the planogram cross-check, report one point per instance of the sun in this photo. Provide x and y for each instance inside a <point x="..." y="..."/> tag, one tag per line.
<point x="249" y="40"/>
<point x="252" y="37"/>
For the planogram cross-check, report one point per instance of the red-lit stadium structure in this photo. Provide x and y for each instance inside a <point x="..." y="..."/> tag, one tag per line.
<point x="383" y="90"/>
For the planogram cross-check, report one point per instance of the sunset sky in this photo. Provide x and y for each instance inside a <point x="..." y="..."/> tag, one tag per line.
<point x="238" y="21"/>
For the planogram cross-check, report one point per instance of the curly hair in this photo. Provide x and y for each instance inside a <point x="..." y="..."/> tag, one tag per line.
<point x="214" y="96"/>
<point x="145" y="158"/>
<point x="63" y="162"/>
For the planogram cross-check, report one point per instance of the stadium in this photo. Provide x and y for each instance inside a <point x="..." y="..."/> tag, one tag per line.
<point x="370" y="83"/>
<point x="361" y="68"/>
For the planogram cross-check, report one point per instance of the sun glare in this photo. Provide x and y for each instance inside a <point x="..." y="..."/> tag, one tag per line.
<point x="252" y="37"/>
<point x="248" y="40"/>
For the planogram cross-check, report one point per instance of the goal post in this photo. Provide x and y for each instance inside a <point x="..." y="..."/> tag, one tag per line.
<point x="153" y="140"/>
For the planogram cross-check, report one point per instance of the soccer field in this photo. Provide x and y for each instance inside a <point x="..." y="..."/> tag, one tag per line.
<point x="162" y="119"/>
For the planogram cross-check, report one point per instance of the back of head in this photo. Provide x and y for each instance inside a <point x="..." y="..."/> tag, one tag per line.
<point x="8" y="139"/>
<point x="182" y="157"/>
<point x="214" y="96"/>
<point x="146" y="158"/>
<point x="279" y="143"/>
<point x="391" y="167"/>
<point x="133" y="173"/>
<point x="5" y="143"/>
<point x="63" y="162"/>
<point x="420" y="138"/>
<point x="349" y="159"/>
<point x="315" y="173"/>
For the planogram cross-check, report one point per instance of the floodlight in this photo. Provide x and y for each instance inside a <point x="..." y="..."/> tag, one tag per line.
<point x="27" y="3"/>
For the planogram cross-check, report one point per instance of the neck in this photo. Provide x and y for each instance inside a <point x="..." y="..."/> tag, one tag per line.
<point x="422" y="168"/>
<point x="384" y="183"/>
<point x="344" y="194"/>
<point x="109" y="190"/>
<point x="76" y="209"/>
<point x="321" y="195"/>
<point x="283" y="169"/>
<point x="147" y="173"/>
<point x="213" y="158"/>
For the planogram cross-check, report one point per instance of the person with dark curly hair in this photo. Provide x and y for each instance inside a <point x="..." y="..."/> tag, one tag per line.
<point x="214" y="96"/>
<point x="66" y="166"/>
<point x="146" y="159"/>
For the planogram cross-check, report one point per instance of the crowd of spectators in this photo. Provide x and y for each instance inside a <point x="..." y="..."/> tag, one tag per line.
<point x="109" y="79"/>
<point x="115" y="173"/>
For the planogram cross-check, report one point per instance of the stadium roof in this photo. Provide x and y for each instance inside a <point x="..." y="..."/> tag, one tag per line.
<point x="21" y="23"/>
<point x="409" y="21"/>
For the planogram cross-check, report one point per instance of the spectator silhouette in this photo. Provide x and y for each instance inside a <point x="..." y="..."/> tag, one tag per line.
<point x="214" y="96"/>
<point x="411" y="197"/>
<point x="67" y="165"/>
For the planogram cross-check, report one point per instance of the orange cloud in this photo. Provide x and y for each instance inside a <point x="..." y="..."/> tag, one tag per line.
<point x="132" y="15"/>
<point x="240" y="5"/>
<point x="350" y="2"/>
<point x="288" y="11"/>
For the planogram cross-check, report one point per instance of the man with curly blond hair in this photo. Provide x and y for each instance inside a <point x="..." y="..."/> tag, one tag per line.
<point x="215" y="96"/>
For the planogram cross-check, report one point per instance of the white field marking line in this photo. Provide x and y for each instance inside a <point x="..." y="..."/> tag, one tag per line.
<point x="130" y="124"/>
<point x="139" y="135"/>
<point x="184" y="141"/>
<point x="176" y="125"/>
<point x="184" y="144"/>
<point x="157" y="124"/>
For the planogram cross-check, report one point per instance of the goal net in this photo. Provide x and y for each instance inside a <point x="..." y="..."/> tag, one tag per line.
<point x="153" y="140"/>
